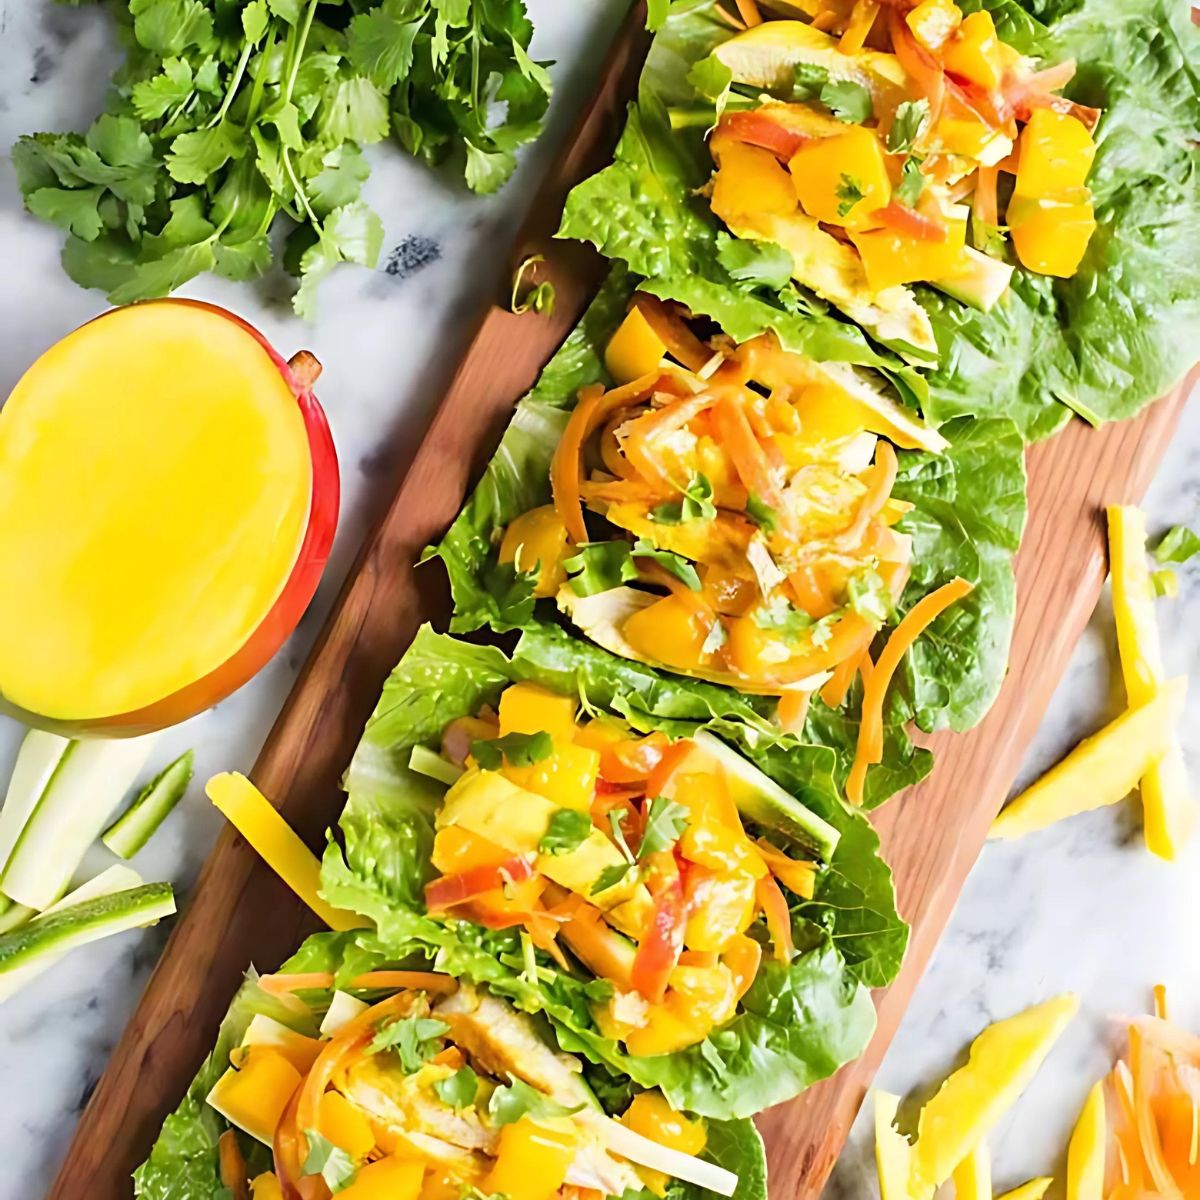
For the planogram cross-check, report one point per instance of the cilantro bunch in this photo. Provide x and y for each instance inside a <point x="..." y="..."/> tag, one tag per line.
<point x="227" y="116"/>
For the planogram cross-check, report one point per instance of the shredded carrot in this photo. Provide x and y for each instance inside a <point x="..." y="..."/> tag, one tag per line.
<point x="879" y="487"/>
<point x="984" y="205"/>
<point x="749" y="13"/>
<point x="848" y="638"/>
<point x="422" y="981"/>
<point x="792" y="711"/>
<point x="870" y="734"/>
<point x="594" y="407"/>
<point x="233" y="1165"/>
<point x="281" y="985"/>
<point x="838" y="686"/>
<point x="862" y="18"/>
<point x="637" y="436"/>
<point x="743" y="448"/>
<point x="681" y="343"/>
<point x="1147" y="1128"/>
<point x="779" y="921"/>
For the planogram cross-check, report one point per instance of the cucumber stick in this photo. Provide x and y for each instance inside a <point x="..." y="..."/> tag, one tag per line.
<point x="425" y="762"/>
<point x="13" y="914"/>
<point x="27" y="951"/>
<point x="89" y="781"/>
<point x="115" y="879"/>
<point x="136" y="825"/>
<point x="37" y="761"/>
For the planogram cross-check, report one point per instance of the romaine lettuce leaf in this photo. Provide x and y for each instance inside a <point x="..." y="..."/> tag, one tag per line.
<point x="1101" y="344"/>
<point x="799" y="1022"/>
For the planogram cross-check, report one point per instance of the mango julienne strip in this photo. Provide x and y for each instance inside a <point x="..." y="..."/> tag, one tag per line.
<point x="253" y="816"/>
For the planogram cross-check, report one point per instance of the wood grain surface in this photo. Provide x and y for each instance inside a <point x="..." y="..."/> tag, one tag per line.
<point x="239" y="913"/>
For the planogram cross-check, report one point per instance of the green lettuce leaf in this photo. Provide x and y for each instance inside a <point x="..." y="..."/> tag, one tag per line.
<point x="799" y="1022"/>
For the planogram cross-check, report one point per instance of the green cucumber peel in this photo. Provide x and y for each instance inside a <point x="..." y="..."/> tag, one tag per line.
<point x="152" y="805"/>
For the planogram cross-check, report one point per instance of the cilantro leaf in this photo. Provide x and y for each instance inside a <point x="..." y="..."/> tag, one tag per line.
<point x="870" y="598"/>
<point x="810" y="79"/>
<point x="458" y="1090"/>
<point x="761" y="513"/>
<point x="75" y="209"/>
<point x="518" y="749"/>
<point x="610" y="877"/>
<point x="599" y="567"/>
<point x="379" y="43"/>
<point x="849" y="192"/>
<point x="331" y="1162"/>
<point x="1177" y="545"/>
<point x="780" y="616"/>
<point x="676" y="564"/>
<point x="618" y="835"/>
<point x="414" y="1039"/>
<point x="907" y="126"/>
<point x="761" y="264"/>
<point x="848" y="101"/>
<point x="567" y="831"/>
<point x="665" y="821"/>
<point x="517" y="1099"/>
<point x="696" y="504"/>
<point x="912" y="181"/>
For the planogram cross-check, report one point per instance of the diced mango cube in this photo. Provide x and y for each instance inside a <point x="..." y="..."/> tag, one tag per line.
<point x="456" y="850"/>
<point x="299" y="1050"/>
<point x="345" y="1125"/>
<point x="652" y="1117"/>
<point x="1054" y="154"/>
<point x="842" y="180"/>
<point x="974" y="52"/>
<point x="634" y="350"/>
<point x="665" y="1031"/>
<point x="391" y="1178"/>
<point x="891" y="257"/>
<point x="528" y="708"/>
<point x="1051" y="234"/>
<point x="538" y="541"/>
<point x="669" y="631"/>
<point x="254" y="1095"/>
<point x="533" y="1160"/>
<point x="266" y="1187"/>
<point x="933" y="21"/>
<point x="751" y="180"/>
<point x="720" y="906"/>
<point x="568" y="776"/>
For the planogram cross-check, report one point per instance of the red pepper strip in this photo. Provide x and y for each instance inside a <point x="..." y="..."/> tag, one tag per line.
<point x="910" y="223"/>
<point x="757" y="129"/>
<point x="450" y="890"/>
<point x="779" y="920"/>
<point x="924" y="70"/>
<point x="661" y="945"/>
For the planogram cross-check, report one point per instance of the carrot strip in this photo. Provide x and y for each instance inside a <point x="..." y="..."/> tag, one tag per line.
<point x="862" y="18"/>
<point x="420" y="981"/>
<point x="281" y="985"/>
<point x="566" y="469"/>
<point x="743" y="448"/>
<point x="681" y="343"/>
<point x="879" y="488"/>
<point x="985" y="205"/>
<point x="749" y="13"/>
<point x="638" y="434"/>
<point x="792" y="711"/>
<point x="834" y="693"/>
<point x="779" y="920"/>
<point x="870" y="733"/>
<point x="233" y="1166"/>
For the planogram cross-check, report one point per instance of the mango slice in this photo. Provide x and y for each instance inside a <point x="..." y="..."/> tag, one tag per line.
<point x="1035" y="1189"/>
<point x="1003" y="1059"/>
<point x="635" y="349"/>
<point x="155" y="484"/>
<point x="1085" y="1152"/>
<point x="893" y="1151"/>
<point x="973" y="1176"/>
<point x="1101" y="770"/>
<point x="1167" y="808"/>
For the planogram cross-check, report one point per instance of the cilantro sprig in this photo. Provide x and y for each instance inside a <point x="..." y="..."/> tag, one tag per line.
<point x="227" y="120"/>
<point x="414" y="1039"/>
<point x="517" y="749"/>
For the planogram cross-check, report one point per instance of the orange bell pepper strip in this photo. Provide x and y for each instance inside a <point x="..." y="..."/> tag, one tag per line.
<point x="639" y="435"/>
<point x="870" y="733"/>
<point x="661" y="945"/>
<point x="834" y="693"/>
<point x="673" y="757"/>
<point x="681" y="343"/>
<point x="779" y="920"/>
<point x="925" y="72"/>
<point x="594" y="407"/>
<point x="287" y="1150"/>
<point x="879" y="488"/>
<point x="792" y="711"/>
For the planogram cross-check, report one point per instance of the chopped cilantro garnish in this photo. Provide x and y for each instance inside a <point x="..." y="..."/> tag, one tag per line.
<point x="907" y="126"/>
<point x="849" y="192"/>
<point x="458" y="1090"/>
<point x="414" y="1039"/>
<point x="696" y="504"/>
<point x="665" y="821"/>
<point x="848" y="101"/>
<point x="912" y="181"/>
<point x="568" y="830"/>
<point x="518" y="749"/>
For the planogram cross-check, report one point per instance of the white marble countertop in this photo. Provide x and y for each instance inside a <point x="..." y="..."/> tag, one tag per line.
<point x="1080" y="907"/>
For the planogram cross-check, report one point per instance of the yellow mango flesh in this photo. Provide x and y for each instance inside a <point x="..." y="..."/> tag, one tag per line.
<point x="852" y="160"/>
<point x="893" y="1151"/>
<point x="1051" y="233"/>
<point x="533" y="1160"/>
<point x="527" y="708"/>
<point x="390" y="1178"/>
<point x="1085" y="1152"/>
<point x="892" y="258"/>
<point x="670" y="632"/>
<point x="155" y="481"/>
<point x="1035" y="1189"/>
<point x="266" y="1187"/>
<point x="254" y="1096"/>
<point x="538" y="540"/>
<point x="1003" y="1059"/>
<point x="1054" y="154"/>
<point x="1101" y="770"/>
<point x="652" y="1117"/>
<point x="567" y="776"/>
<point x="974" y="51"/>
<point x="933" y="21"/>
<point x="751" y="179"/>
<point x="634" y="350"/>
<point x="973" y="1176"/>
<point x="345" y="1125"/>
<point x="1168" y="811"/>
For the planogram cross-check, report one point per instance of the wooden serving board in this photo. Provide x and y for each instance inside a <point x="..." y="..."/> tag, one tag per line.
<point x="240" y="913"/>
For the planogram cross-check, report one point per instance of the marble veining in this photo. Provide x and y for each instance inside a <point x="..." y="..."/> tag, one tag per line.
<point x="1081" y="906"/>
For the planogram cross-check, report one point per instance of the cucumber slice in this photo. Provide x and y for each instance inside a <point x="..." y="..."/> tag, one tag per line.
<point x="13" y="914"/>
<point x="27" y="951"/>
<point x="37" y="760"/>
<point x="89" y="781"/>
<point x="764" y="802"/>
<point x="138" y="823"/>
<point x="425" y="762"/>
